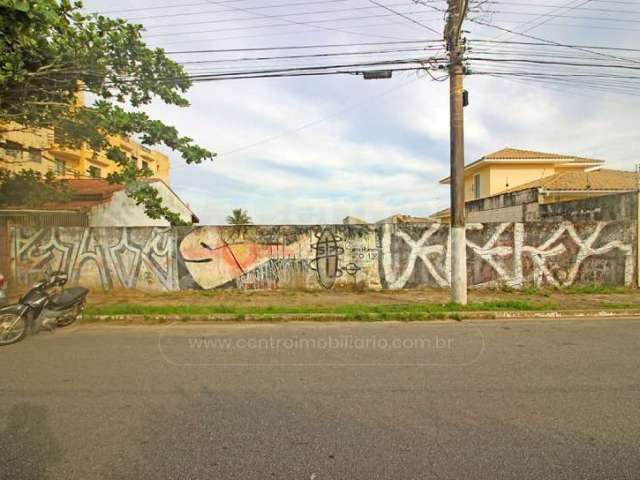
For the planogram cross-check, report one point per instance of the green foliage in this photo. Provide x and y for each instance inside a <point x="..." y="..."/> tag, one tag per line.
<point x="48" y="50"/>
<point x="391" y="311"/>
<point x="599" y="288"/>
<point x="239" y="217"/>
<point x="31" y="189"/>
<point x="531" y="291"/>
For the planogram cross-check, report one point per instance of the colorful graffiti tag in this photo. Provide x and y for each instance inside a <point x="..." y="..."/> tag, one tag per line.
<point x="389" y="256"/>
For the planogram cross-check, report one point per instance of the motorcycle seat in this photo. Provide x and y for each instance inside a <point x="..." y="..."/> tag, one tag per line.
<point x="68" y="298"/>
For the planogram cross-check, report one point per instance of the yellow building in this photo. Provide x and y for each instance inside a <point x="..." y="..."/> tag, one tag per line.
<point x="510" y="169"/>
<point x="37" y="150"/>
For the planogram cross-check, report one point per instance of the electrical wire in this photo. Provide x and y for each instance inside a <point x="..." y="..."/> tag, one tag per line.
<point x="548" y="42"/>
<point x="160" y="7"/>
<point x="403" y="15"/>
<point x="552" y="16"/>
<point x="311" y="68"/>
<point x="298" y="47"/>
<point x="315" y="55"/>
<point x="313" y="23"/>
<point x="278" y="16"/>
<point x="591" y="47"/>
<point x="348" y="108"/>
<point x="544" y="5"/>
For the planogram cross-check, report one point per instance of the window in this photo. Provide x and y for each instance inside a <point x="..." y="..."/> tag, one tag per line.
<point x="60" y="167"/>
<point x="95" y="172"/>
<point x="58" y="136"/>
<point x="476" y="186"/>
<point x="145" y="165"/>
<point x="13" y="150"/>
<point x="35" y="155"/>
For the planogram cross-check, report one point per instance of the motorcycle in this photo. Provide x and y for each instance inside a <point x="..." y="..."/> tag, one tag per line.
<point x="46" y="306"/>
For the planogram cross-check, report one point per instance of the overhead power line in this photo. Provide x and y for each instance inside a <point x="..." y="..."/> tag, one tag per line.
<point x="591" y="47"/>
<point x="247" y="10"/>
<point x="300" y="74"/>
<point x="544" y="5"/>
<point x="614" y="2"/>
<point x="419" y="62"/>
<point x="548" y="42"/>
<point x="403" y="15"/>
<point x="311" y="24"/>
<point x="551" y="62"/>
<point x="360" y="103"/>
<point x="546" y="18"/>
<point x="592" y="27"/>
<point x="279" y="34"/>
<point x="299" y="47"/>
<point x="552" y="16"/>
<point x="162" y="7"/>
<point x="313" y="55"/>
<point x="571" y="84"/>
<point x="284" y="18"/>
<point x="305" y="12"/>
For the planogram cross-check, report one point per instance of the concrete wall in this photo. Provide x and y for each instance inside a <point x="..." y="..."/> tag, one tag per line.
<point x="621" y="206"/>
<point x="106" y="258"/>
<point x="507" y="207"/>
<point x="389" y="256"/>
<point x="122" y="210"/>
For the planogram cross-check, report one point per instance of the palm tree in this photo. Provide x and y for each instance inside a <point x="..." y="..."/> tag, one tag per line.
<point x="239" y="217"/>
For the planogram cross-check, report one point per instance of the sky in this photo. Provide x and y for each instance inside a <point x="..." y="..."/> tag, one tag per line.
<point x="315" y="149"/>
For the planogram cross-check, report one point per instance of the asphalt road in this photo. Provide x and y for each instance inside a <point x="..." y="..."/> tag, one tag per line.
<point x="483" y="400"/>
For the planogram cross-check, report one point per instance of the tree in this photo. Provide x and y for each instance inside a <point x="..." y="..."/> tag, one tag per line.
<point x="31" y="189"/>
<point x="239" y="217"/>
<point x="48" y="49"/>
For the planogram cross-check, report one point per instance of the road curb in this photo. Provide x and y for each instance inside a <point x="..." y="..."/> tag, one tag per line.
<point x="368" y="317"/>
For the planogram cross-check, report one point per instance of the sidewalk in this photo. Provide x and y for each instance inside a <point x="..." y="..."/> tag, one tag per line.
<point x="327" y="305"/>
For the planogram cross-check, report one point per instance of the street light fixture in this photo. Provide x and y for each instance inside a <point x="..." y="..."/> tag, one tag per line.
<point x="377" y="74"/>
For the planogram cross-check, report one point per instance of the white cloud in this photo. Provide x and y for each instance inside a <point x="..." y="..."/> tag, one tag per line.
<point x="370" y="149"/>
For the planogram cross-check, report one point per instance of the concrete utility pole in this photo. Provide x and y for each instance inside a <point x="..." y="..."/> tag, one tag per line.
<point x="456" y="12"/>
<point x="638" y="225"/>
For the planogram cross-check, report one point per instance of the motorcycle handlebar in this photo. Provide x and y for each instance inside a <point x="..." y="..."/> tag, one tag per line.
<point x="54" y="279"/>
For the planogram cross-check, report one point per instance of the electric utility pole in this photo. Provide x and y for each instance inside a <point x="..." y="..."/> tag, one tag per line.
<point x="456" y="12"/>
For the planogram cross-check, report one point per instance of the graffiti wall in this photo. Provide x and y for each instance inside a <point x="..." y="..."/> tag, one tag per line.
<point x="106" y="258"/>
<point x="389" y="256"/>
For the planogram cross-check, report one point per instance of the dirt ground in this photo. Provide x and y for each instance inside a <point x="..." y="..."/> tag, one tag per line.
<point x="263" y="298"/>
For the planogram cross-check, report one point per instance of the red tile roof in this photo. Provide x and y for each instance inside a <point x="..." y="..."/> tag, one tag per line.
<point x="86" y="193"/>
<point x="519" y="154"/>
<point x="603" y="179"/>
<point x="94" y="187"/>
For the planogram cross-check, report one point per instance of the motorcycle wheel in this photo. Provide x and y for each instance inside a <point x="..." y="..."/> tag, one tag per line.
<point x="13" y="328"/>
<point x="68" y="321"/>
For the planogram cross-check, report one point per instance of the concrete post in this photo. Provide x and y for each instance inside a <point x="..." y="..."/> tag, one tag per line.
<point x="458" y="233"/>
<point x="638" y="227"/>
